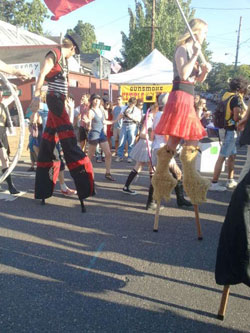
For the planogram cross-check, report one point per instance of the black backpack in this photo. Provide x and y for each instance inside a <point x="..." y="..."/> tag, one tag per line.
<point x="220" y="113"/>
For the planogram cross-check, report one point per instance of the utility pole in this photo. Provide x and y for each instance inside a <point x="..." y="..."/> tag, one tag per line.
<point x="100" y="75"/>
<point x="238" y="46"/>
<point x="153" y="27"/>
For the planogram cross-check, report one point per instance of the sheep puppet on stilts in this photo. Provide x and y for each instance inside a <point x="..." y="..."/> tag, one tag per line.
<point x="180" y="121"/>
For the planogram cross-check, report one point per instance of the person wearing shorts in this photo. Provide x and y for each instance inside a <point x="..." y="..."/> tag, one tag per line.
<point x="80" y="115"/>
<point x="97" y="135"/>
<point x="234" y="109"/>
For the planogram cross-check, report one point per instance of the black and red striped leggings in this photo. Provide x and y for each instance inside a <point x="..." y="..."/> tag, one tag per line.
<point x="58" y="127"/>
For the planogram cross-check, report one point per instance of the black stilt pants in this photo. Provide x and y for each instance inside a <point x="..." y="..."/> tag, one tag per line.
<point x="58" y="127"/>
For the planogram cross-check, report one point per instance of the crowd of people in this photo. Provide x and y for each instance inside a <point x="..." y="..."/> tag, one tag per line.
<point x="62" y="133"/>
<point x="101" y="125"/>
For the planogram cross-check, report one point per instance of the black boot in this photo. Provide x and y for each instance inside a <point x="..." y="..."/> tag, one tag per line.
<point x="129" y="180"/>
<point x="150" y="203"/>
<point x="11" y="186"/>
<point x="181" y="201"/>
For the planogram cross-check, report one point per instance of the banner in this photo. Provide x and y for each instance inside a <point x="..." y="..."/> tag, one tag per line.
<point x="147" y="93"/>
<point x="63" y="7"/>
<point x="33" y="68"/>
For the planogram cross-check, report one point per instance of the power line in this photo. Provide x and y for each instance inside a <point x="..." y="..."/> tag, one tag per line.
<point x="244" y="56"/>
<point x="229" y="33"/>
<point x="245" y="41"/>
<point x="118" y="19"/>
<point x="206" y="8"/>
<point x="220" y="39"/>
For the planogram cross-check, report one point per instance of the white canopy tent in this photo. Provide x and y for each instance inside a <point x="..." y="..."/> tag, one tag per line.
<point x="154" y="69"/>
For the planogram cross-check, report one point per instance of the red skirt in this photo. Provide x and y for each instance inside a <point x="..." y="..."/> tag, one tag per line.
<point x="180" y="119"/>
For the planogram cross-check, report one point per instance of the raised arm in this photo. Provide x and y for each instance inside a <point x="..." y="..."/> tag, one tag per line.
<point x="185" y="66"/>
<point x="5" y="68"/>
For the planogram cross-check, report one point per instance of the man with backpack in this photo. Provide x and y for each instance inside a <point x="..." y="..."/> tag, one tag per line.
<point x="231" y="113"/>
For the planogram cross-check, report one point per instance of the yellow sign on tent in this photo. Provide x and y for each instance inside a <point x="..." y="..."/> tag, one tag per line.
<point x="147" y="93"/>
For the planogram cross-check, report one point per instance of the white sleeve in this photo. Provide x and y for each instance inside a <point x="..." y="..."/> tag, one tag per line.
<point x="156" y="120"/>
<point x="138" y="115"/>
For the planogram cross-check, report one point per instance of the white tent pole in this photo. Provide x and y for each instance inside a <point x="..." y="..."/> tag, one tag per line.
<point x="110" y="92"/>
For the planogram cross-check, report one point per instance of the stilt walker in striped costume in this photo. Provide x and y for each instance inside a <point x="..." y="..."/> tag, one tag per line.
<point x="58" y="127"/>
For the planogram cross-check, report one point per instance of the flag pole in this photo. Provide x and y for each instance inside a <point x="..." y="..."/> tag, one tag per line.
<point x="202" y="58"/>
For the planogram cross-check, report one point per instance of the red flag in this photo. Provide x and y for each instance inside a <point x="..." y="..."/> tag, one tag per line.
<point x="63" y="7"/>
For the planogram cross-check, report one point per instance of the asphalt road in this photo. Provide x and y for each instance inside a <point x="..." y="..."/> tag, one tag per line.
<point x="106" y="270"/>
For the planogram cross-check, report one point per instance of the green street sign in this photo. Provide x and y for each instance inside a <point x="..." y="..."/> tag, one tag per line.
<point x="101" y="46"/>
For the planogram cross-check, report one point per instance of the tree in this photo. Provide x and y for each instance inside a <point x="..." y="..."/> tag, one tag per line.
<point x="87" y="33"/>
<point x="29" y="15"/>
<point x="244" y="70"/>
<point x="169" y="25"/>
<point x="218" y="79"/>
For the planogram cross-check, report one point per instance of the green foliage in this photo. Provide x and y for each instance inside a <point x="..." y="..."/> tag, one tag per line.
<point x="27" y="14"/>
<point x="87" y="33"/>
<point x="217" y="80"/>
<point x="169" y="25"/>
<point x="244" y="70"/>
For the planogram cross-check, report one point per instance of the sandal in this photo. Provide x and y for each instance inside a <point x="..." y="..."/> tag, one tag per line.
<point x="109" y="177"/>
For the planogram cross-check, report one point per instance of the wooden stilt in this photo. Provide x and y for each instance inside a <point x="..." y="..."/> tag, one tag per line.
<point x="197" y="220"/>
<point x="223" y="303"/>
<point x="157" y="213"/>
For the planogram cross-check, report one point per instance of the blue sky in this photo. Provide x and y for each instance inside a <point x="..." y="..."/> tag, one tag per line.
<point x="110" y="17"/>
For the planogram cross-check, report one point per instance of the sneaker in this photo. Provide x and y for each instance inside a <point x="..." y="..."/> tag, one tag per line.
<point x="217" y="187"/>
<point x="129" y="160"/>
<point x="69" y="192"/>
<point x="119" y="159"/>
<point x="128" y="191"/>
<point x="153" y="206"/>
<point x="231" y="183"/>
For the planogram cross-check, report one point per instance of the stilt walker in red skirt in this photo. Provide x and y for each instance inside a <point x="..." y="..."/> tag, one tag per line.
<point x="180" y="121"/>
<point x="59" y="127"/>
